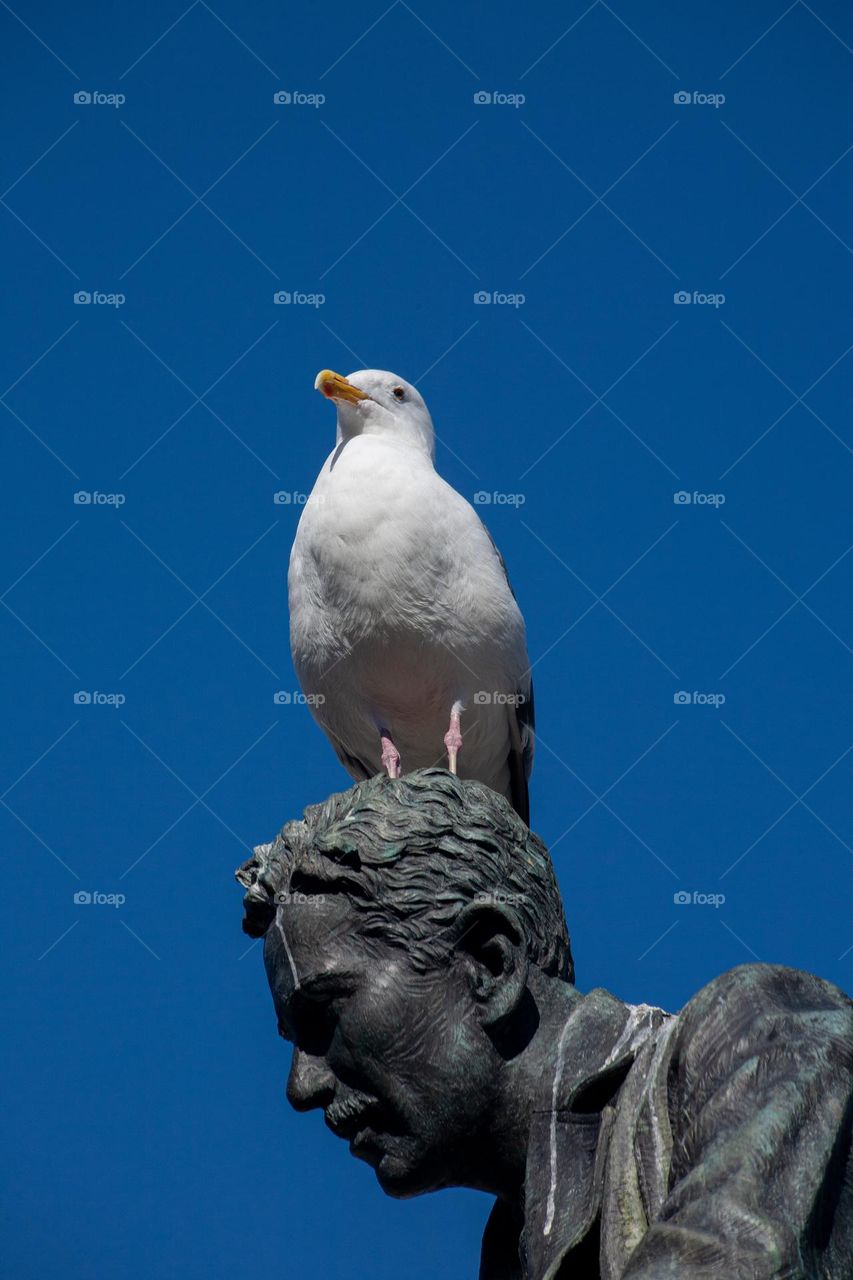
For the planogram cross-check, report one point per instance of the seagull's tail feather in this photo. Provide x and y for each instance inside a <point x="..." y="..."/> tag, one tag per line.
<point x="522" y="726"/>
<point x="519" y="794"/>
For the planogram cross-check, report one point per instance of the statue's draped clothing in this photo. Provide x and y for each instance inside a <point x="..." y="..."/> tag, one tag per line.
<point x="712" y="1145"/>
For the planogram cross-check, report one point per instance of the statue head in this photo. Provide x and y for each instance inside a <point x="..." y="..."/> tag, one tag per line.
<point x="409" y="924"/>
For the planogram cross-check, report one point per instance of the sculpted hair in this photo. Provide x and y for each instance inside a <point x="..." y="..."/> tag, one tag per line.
<point x="409" y="854"/>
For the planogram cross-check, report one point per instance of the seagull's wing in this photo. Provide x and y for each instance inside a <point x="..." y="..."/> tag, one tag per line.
<point x="522" y="722"/>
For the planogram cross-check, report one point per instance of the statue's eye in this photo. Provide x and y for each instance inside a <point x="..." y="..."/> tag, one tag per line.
<point x="399" y="393"/>
<point x="313" y="1025"/>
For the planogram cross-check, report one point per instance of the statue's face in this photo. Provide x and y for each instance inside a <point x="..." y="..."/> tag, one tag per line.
<point x="396" y="1058"/>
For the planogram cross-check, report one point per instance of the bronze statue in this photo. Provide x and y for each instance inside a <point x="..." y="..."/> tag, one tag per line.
<point x="420" y="965"/>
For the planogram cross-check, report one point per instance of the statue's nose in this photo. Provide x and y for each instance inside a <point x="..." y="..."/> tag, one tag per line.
<point x="310" y="1084"/>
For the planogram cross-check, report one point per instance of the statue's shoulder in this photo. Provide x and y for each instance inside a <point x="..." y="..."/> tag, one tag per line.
<point x="766" y="987"/>
<point x="754" y="1005"/>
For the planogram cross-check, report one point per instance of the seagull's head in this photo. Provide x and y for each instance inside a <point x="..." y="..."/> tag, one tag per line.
<point x="373" y="402"/>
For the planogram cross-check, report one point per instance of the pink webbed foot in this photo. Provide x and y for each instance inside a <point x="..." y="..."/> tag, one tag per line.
<point x="390" y="755"/>
<point x="453" y="737"/>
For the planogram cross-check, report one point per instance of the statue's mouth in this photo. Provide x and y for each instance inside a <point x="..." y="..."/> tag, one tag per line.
<point x="367" y="1145"/>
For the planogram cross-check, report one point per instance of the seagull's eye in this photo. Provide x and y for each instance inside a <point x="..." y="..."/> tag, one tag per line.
<point x="399" y="393"/>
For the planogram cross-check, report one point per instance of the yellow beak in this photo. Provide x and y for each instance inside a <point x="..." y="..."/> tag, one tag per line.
<point x="335" y="387"/>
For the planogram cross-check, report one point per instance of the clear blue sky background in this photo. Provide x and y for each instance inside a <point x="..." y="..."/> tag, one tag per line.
<point x="146" y="1123"/>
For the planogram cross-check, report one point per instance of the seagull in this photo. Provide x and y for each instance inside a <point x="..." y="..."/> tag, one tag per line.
<point x="406" y="636"/>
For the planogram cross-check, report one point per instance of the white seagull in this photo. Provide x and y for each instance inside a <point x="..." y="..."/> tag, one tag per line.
<point x="404" y="628"/>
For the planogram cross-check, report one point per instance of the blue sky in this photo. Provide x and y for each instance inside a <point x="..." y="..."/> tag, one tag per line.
<point x="148" y="1124"/>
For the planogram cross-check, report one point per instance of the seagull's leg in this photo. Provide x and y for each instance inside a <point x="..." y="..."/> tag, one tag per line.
<point x="453" y="737"/>
<point x="390" y="754"/>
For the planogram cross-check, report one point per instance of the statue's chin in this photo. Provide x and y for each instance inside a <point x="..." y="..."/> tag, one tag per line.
<point x="397" y="1161"/>
<point x="400" y="1174"/>
<point x="398" y="1179"/>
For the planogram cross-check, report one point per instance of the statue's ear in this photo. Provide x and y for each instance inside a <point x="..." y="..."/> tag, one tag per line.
<point x="491" y="943"/>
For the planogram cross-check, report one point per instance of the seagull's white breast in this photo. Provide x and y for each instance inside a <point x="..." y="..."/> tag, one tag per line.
<point x="399" y="604"/>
